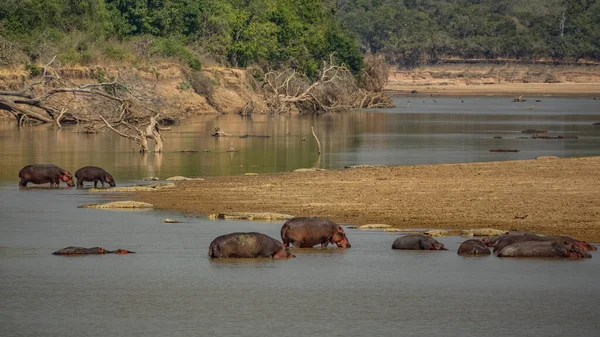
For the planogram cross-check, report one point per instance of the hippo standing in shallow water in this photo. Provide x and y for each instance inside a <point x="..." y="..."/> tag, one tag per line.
<point x="547" y="249"/>
<point x="95" y="174"/>
<point x="71" y="250"/>
<point x="44" y="173"/>
<point x="305" y="232"/>
<point x="473" y="247"/>
<point x="247" y="245"/>
<point x="417" y="242"/>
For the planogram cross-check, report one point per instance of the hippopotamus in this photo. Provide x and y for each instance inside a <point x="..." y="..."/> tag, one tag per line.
<point x="247" y="245"/>
<point x="71" y="250"/>
<point x="543" y="249"/>
<point x="569" y="240"/>
<point x="44" y="173"/>
<point x="417" y="242"/>
<point x="306" y="232"/>
<point x="510" y="239"/>
<point x="473" y="247"/>
<point x="490" y="242"/>
<point x="95" y="174"/>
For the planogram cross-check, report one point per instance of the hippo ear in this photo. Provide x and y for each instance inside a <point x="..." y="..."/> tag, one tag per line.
<point x="340" y="229"/>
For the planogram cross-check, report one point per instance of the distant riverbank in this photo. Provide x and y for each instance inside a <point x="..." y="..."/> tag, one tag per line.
<point x="493" y="79"/>
<point x="548" y="196"/>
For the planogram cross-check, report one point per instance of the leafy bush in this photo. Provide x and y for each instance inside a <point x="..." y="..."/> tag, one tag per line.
<point x="172" y="47"/>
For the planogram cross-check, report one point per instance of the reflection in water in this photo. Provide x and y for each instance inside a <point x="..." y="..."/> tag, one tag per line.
<point x="446" y="131"/>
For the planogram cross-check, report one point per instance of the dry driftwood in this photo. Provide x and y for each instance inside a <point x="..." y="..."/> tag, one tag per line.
<point x="335" y="89"/>
<point x="48" y="98"/>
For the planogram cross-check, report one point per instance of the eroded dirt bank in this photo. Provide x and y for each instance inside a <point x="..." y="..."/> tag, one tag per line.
<point x="549" y="196"/>
<point x="509" y="79"/>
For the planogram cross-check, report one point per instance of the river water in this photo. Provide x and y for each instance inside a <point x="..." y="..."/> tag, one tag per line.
<point x="170" y="287"/>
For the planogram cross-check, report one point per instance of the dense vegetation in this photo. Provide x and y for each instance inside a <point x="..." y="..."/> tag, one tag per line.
<point x="297" y="33"/>
<point x="413" y="31"/>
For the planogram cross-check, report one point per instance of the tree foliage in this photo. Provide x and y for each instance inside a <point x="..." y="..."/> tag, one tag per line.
<point x="298" y="34"/>
<point x="273" y="33"/>
<point x="415" y="31"/>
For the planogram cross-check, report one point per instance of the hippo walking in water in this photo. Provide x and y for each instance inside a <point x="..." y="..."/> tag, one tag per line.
<point x="95" y="174"/>
<point x="44" y="173"/>
<point x="548" y="249"/>
<point x="72" y="250"/>
<point x="473" y="247"/>
<point x="247" y="245"/>
<point x="305" y="232"/>
<point x="417" y="242"/>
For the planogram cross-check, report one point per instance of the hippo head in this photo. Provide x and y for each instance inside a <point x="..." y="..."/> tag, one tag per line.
<point x="437" y="246"/>
<point x="339" y="238"/>
<point x="110" y="180"/>
<point x="576" y="253"/>
<point x="488" y="241"/>
<point x="67" y="177"/>
<point x="586" y="246"/>
<point x="283" y="253"/>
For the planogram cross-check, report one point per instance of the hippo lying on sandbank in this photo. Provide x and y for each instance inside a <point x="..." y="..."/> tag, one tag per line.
<point x="71" y="250"/>
<point x="417" y="242"/>
<point x="543" y="249"/>
<point x="247" y="245"/>
<point x="473" y="247"/>
<point x="44" y="173"/>
<point x="305" y="232"/>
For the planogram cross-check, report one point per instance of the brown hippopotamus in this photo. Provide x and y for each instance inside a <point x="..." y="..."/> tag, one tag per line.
<point x="95" y="174"/>
<point x="417" y="242"/>
<point x="306" y="232"/>
<point x="566" y="240"/>
<point x="44" y="173"/>
<point x="490" y="242"/>
<point x="473" y="247"/>
<point x="247" y="245"/>
<point x="543" y="249"/>
<point x="569" y="240"/>
<point x="71" y="250"/>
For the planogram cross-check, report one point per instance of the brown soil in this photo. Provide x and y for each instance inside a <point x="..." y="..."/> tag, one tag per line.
<point x="549" y="196"/>
<point x="498" y="79"/>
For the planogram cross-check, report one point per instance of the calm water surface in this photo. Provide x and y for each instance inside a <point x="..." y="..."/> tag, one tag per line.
<point x="170" y="287"/>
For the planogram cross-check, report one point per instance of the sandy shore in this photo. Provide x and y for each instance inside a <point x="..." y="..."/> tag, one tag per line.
<point x="549" y="196"/>
<point x="503" y="89"/>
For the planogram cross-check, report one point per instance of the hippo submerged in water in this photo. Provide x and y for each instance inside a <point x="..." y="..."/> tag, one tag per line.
<point x="44" y="173"/>
<point x="565" y="240"/>
<point x="247" y="245"/>
<point x="417" y="242"/>
<point x="306" y="232"/>
<point x="71" y="250"/>
<point x="543" y="249"/>
<point x="95" y="174"/>
<point x="473" y="247"/>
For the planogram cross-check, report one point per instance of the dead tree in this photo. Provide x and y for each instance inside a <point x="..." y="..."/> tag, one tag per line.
<point x="138" y="135"/>
<point x="335" y="89"/>
<point x="49" y="98"/>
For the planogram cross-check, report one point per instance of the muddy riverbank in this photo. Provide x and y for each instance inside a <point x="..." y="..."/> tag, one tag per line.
<point x="549" y="196"/>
